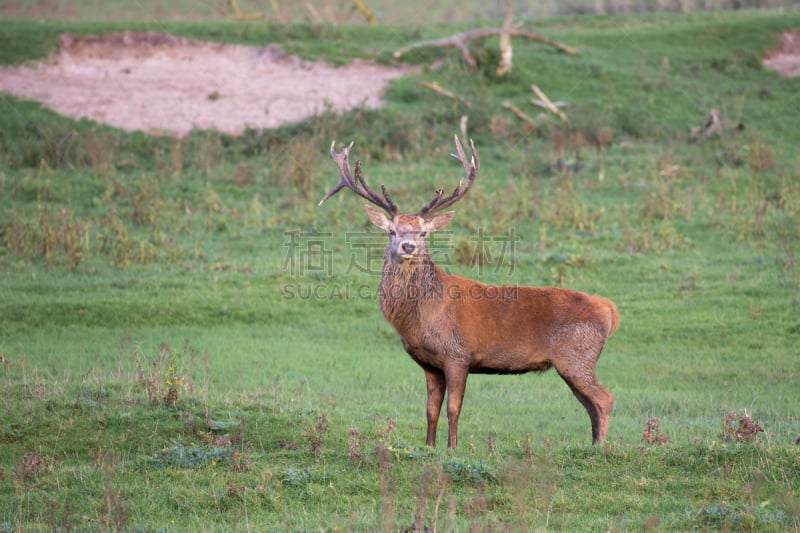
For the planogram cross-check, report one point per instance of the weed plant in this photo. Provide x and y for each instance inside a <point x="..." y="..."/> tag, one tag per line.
<point x="291" y="405"/>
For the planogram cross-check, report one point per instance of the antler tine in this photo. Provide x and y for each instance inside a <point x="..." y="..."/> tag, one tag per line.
<point x="346" y="180"/>
<point x="394" y="208"/>
<point x="470" y="167"/>
<point x="358" y="184"/>
<point x="386" y="202"/>
<point x="430" y="205"/>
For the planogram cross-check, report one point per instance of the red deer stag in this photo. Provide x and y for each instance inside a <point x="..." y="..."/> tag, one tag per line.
<point x="452" y="326"/>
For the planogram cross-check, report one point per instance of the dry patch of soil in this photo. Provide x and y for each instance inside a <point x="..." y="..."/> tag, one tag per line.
<point x="154" y="81"/>
<point x="786" y="58"/>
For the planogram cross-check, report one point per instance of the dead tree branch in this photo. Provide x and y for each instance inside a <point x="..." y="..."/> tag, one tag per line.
<point x="506" y="50"/>
<point x="366" y="11"/>
<point x="239" y="15"/>
<point x="460" y="41"/>
<point x="545" y="102"/>
<point x="519" y="114"/>
<point x="438" y="89"/>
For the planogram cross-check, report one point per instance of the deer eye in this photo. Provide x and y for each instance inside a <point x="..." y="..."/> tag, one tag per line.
<point x="392" y="233"/>
<point x="423" y="233"/>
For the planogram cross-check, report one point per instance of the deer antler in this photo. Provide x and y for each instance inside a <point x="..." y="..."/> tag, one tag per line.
<point x="470" y="167"/>
<point x="358" y="184"/>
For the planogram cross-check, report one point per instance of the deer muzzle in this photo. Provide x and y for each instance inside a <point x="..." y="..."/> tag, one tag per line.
<point x="408" y="248"/>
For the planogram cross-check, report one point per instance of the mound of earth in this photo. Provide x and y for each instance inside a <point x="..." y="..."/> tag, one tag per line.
<point x="154" y="81"/>
<point x="786" y="58"/>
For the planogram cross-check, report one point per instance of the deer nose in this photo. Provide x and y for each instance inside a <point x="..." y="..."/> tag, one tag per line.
<point x="408" y="247"/>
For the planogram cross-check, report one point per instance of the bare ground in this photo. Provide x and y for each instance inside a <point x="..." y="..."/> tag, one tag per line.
<point x="157" y="82"/>
<point x="786" y="58"/>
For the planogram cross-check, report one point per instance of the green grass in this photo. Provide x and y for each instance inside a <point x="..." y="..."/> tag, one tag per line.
<point x="126" y="274"/>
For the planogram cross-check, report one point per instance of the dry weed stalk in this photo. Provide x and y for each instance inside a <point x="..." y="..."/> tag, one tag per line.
<point x="431" y="479"/>
<point x="240" y="462"/>
<point x="385" y="435"/>
<point x="652" y="434"/>
<point x="297" y="165"/>
<point x="491" y="447"/>
<point x="316" y="434"/>
<point x="32" y="467"/>
<point x="384" y="464"/>
<point x="114" y="511"/>
<point x="746" y="430"/>
<point x="355" y="446"/>
<point x="162" y="384"/>
<point x="526" y="447"/>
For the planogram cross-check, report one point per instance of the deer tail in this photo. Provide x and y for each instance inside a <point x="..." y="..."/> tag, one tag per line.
<point x="613" y="318"/>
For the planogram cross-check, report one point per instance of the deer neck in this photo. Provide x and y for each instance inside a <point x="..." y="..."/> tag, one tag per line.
<point x="407" y="287"/>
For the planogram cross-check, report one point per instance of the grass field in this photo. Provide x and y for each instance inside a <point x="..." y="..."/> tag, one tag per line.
<point x="189" y="343"/>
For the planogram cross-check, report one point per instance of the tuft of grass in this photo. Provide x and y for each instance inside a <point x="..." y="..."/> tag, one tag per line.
<point x="180" y="456"/>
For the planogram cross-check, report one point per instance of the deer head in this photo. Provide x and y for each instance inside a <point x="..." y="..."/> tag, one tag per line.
<point x="407" y="232"/>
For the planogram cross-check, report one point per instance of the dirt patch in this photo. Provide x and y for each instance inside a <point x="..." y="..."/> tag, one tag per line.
<point x="786" y="58"/>
<point x="155" y="81"/>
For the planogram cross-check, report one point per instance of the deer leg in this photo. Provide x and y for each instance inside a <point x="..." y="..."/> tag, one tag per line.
<point x="596" y="399"/>
<point x="456" y="385"/>
<point x="594" y="416"/>
<point x="436" y="387"/>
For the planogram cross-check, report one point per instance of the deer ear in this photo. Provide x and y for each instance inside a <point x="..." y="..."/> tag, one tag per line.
<point x="377" y="217"/>
<point x="439" y="221"/>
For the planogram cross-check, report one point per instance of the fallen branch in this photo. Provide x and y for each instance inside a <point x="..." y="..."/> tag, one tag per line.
<point x="276" y="9"/>
<point x="714" y="125"/>
<point x="539" y="103"/>
<point x="367" y="12"/>
<point x="313" y="12"/>
<point x="238" y="15"/>
<point x="331" y="17"/>
<point x="460" y="41"/>
<point x="438" y="89"/>
<point x="518" y="112"/>
<point x="506" y="50"/>
<point x="548" y="104"/>
<point x="463" y="126"/>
